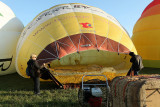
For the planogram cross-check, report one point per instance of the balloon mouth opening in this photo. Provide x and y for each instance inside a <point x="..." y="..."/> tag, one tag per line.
<point x="77" y="43"/>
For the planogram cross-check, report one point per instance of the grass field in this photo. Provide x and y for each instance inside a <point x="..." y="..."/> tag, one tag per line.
<point x="16" y="91"/>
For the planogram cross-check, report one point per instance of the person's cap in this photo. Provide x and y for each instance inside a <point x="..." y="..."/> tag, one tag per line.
<point x="131" y="53"/>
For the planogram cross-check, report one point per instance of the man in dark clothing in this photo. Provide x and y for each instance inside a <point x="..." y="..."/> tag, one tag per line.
<point x="137" y="64"/>
<point x="34" y="70"/>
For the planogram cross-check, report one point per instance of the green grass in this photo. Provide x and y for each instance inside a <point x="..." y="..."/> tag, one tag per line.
<point x="50" y="98"/>
<point x="16" y="91"/>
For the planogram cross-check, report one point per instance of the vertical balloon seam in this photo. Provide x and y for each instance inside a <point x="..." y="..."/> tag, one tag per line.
<point x="94" y="29"/>
<point x="120" y="41"/>
<point x="111" y="45"/>
<point x="115" y="21"/>
<point x="88" y="39"/>
<point x="57" y="50"/>
<point x="84" y="34"/>
<point x="79" y="27"/>
<point x="107" y="33"/>
<point x="53" y="38"/>
<point x="67" y="35"/>
<point x="42" y="48"/>
<point x="55" y="43"/>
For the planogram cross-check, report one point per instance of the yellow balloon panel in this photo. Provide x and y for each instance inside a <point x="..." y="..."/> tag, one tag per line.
<point x="70" y="23"/>
<point x="146" y="35"/>
<point x="147" y="45"/>
<point x="147" y="23"/>
<point x="101" y="25"/>
<point x="53" y="28"/>
<point x="92" y="57"/>
<point x="115" y="65"/>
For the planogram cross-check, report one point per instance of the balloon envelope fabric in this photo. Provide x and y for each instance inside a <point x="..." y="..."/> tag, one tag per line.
<point x="76" y="39"/>
<point x="10" y="30"/>
<point x="146" y="35"/>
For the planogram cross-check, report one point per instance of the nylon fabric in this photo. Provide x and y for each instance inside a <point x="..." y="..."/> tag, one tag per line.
<point x="75" y="35"/>
<point x="10" y="29"/>
<point x="146" y="35"/>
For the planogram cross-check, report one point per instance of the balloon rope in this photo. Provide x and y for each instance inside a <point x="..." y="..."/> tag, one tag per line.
<point x="53" y="39"/>
<point x="79" y="28"/>
<point x="103" y="42"/>
<point x="46" y="59"/>
<point x="111" y="45"/>
<point x="42" y="48"/>
<point x="68" y="34"/>
<point x="79" y="41"/>
<point x="88" y="39"/>
<point x="48" y="33"/>
<point x="72" y="42"/>
<point x="94" y="30"/>
<point x="56" y="49"/>
<point x="64" y="44"/>
<point x="106" y="35"/>
<point x="120" y="41"/>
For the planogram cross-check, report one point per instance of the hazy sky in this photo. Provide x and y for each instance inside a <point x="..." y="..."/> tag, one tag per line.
<point x="127" y="12"/>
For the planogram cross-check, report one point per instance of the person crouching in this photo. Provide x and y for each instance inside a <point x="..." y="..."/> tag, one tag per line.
<point x="137" y="64"/>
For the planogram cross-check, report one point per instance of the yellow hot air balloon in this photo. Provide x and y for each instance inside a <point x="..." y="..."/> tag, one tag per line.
<point x="146" y="35"/>
<point x="10" y="29"/>
<point x="76" y="39"/>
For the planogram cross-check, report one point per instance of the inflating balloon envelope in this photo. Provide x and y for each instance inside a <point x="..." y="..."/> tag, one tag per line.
<point x="76" y="39"/>
<point x="10" y="29"/>
<point x="146" y="35"/>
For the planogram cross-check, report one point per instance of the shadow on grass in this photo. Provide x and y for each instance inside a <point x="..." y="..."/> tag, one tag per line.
<point x="16" y="82"/>
<point x="55" y="103"/>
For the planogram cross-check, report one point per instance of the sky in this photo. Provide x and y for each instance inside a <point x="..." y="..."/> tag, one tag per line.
<point x="127" y="12"/>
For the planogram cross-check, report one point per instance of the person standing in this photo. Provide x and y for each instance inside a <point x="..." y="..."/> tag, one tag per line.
<point x="34" y="69"/>
<point x="137" y="64"/>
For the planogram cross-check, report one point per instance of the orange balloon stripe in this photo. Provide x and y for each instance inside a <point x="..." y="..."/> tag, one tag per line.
<point x="152" y="11"/>
<point x="153" y="3"/>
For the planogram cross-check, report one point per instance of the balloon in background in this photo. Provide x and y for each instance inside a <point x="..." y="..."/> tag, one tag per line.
<point x="76" y="40"/>
<point x="10" y="29"/>
<point x="146" y="35"/>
